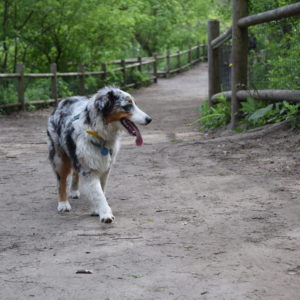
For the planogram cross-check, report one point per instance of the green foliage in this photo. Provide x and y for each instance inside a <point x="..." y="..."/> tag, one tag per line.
<point x="221" y="10"/>
<point x="254" y="113"/>
<point x="260" y="114"/>
<point x="39" y="89"/>
<point x="251" y="106"/>
<point x="215" y="116"/>
<point x="274" y="62"/>
<point x="140" y="78"/>
<point x="32" y="108"/>
<point x="165" y="24"/>
<point x="8" y="93"/>
<point x="39" y="32"/>
<point x="92" y="84"/>
<point x="66" y="88"/>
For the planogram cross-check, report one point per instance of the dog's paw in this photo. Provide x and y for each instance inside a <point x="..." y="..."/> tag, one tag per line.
<point x="74" y="194"/>
<point x="107" y="217"/>
<point x="63" y="206"/>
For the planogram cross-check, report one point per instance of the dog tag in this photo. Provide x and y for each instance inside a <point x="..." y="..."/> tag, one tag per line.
<point x="104" y="151"/>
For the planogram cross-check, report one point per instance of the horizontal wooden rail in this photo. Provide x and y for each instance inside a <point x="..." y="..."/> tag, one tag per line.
<point x="193" y="55"/>
<point x="9" y="75"/>
<point x="271" y="15"/>
<point x="221" y="39"/>
<point x="37" y="102"/>
<point x="149" y="61"/>
<point x="268" y="95"/>
<point x="116" y="61"/>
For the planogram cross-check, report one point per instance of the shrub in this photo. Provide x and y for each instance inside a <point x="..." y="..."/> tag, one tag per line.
<point x="215" y="116"/>
<point x="253" y="113"/>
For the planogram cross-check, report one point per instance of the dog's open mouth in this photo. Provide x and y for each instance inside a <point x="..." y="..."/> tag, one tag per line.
<point x="132" y="130"/>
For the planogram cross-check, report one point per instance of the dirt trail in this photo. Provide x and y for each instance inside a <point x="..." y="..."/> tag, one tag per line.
<point x="193" y="221"/>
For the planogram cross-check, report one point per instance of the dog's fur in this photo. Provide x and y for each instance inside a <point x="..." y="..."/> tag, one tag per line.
<point x="77" y="130"/>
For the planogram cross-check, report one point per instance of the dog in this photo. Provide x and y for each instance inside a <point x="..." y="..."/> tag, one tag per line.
<point x="84" y="138"/>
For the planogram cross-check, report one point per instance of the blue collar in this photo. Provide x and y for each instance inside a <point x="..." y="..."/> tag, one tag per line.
<point x="103" y="150"/>
<point x="101" y="144"/>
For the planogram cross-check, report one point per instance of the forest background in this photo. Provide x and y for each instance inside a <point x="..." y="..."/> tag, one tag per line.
<point x="40" y="32"/>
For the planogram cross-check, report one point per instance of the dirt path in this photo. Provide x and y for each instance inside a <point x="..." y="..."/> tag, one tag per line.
<point x="193" y="221"/>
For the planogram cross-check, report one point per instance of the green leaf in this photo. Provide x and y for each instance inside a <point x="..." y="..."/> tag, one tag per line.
<point x="260" y="113"/>
<point x="136" y="276"/>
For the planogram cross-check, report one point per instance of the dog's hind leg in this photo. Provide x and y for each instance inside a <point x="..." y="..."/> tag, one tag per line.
<point x="74" y="191"/>
<point x="62" y="167"/>
<point x="63" y="172"/>
<point x="92" y="188"/>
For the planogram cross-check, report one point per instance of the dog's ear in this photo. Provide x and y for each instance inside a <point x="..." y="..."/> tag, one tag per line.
<point x="105" y="103"/>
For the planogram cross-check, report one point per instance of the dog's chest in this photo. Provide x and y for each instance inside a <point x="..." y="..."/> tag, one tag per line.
<point x="95" y="157"/>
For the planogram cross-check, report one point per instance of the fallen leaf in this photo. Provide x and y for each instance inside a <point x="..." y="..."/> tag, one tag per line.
<point x="137" y="276"/>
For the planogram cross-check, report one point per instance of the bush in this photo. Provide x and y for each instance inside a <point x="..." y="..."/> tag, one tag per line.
<point x="258" y="113"/>
<point x="215" y="116"/>
<point x="37" y="89"/>
<point x="253" y="113"/>
<point x="8" y="93"/>
<point x="141" y="79"/>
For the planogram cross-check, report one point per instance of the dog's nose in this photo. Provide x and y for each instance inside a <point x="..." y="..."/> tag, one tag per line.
<point x="148" y="120"/>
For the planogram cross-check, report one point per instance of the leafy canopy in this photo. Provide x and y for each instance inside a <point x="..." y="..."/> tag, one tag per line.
<point x="39" y="32"/>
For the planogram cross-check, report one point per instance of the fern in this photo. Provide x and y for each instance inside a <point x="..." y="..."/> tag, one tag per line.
<point x="214" y="117"/>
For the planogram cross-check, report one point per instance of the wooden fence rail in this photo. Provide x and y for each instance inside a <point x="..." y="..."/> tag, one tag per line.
<point x="193" y="55"/>
<point x="239" y="34"/>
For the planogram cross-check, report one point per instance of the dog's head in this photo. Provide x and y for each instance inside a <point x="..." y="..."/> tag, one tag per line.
<point x="118" y="108"/>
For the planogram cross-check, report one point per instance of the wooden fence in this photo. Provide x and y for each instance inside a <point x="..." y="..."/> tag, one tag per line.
<point x="239" y="34"/>
<point x="183" y="60"/>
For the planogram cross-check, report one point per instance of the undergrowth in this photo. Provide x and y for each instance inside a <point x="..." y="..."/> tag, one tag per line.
<point x="215" y="116"/>
<point x="253" y="113"/>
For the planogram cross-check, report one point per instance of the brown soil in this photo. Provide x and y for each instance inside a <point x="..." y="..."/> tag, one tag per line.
<point x="195" y="218"/>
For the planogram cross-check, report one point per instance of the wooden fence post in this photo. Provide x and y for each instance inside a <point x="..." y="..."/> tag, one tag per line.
<point x="104" y="74"/>
<point x="179" y="61"/>
<point x="204" y="51"/>
<point x="81" y="80"/>
<point x="140" y="64"/>
<point x="20" y="85"/>
<point x="168" y="64"/>
<point x="239" y="56"/>
<point x="198" y="51"/>
<point x="190" y="55"/>
<point x="214" y="84"/>
<point x="123" y="65"/>
<point x="154" y="67"/>
<point x="53" y="70"/>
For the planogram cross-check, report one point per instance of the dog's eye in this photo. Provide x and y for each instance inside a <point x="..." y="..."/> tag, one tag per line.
<point x="127" y="107"/>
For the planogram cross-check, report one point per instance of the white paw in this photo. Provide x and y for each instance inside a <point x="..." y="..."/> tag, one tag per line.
<point x="106" y="216"/>
<point x="63" y="206"/>
<point x="74" y="194"/>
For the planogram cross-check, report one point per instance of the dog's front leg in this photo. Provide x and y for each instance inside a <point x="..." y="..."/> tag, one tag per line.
<point x="92" y="188"/>
<point x="103" y="179"/>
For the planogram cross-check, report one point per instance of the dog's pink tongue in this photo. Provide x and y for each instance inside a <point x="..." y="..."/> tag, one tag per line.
<point x="132" y="129"/>
<point x="139" y="140"/>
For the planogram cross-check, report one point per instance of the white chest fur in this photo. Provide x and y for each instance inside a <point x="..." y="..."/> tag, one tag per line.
<point x="91" y="158"/>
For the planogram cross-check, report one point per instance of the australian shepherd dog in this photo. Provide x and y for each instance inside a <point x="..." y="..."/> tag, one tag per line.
<point x="84" y="139"/>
